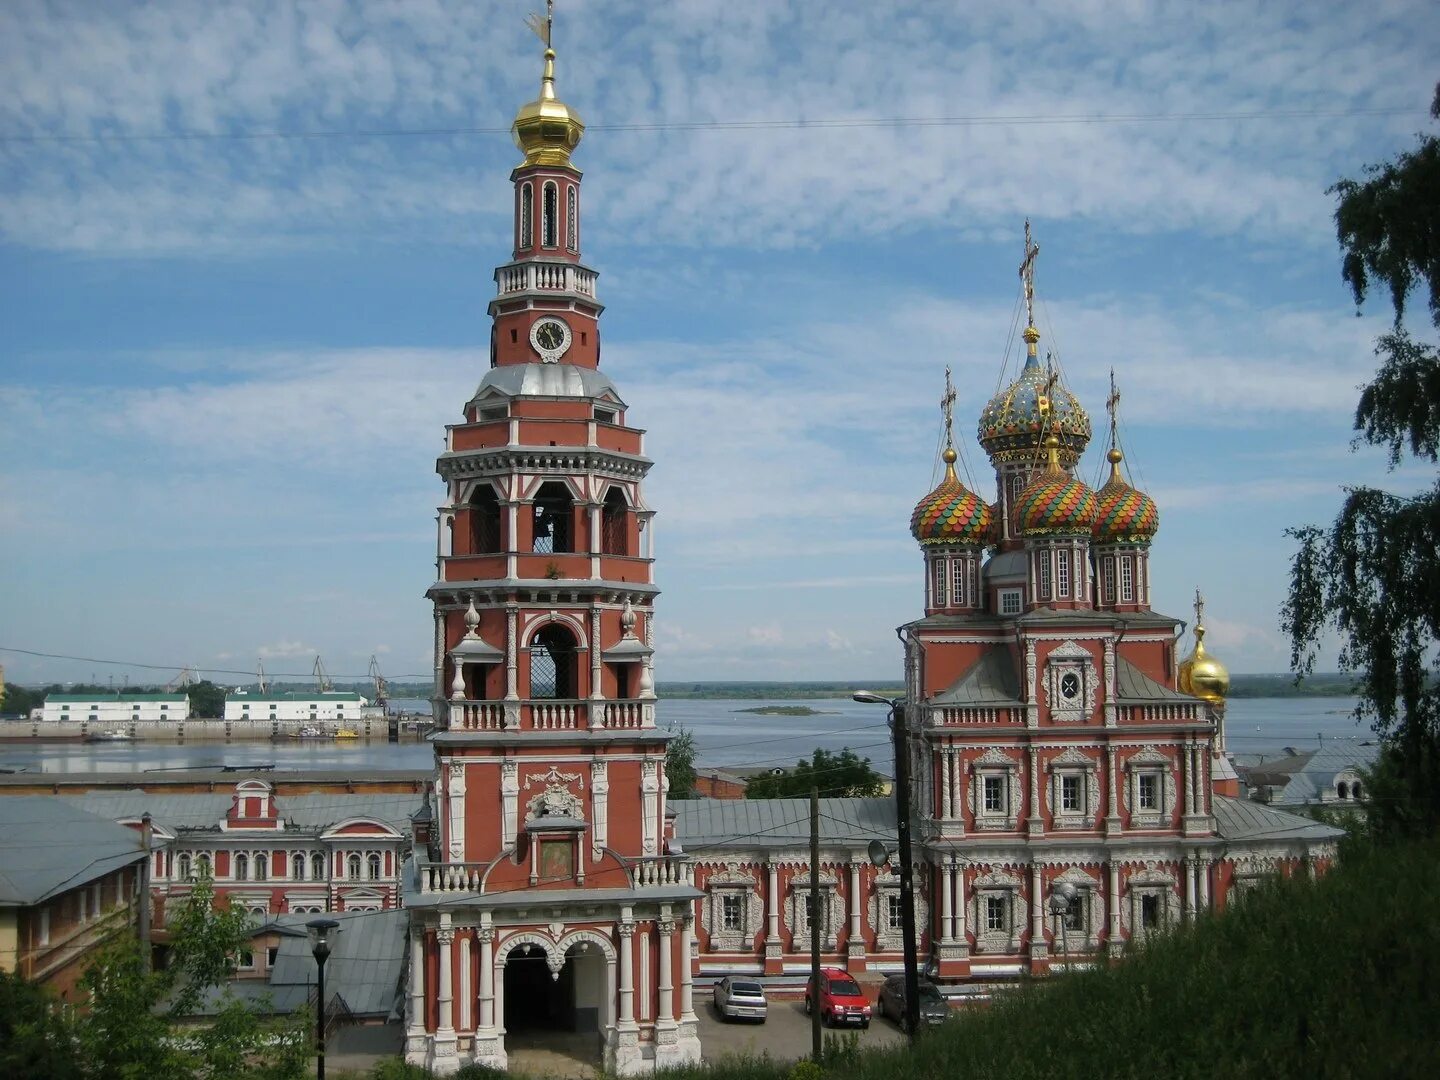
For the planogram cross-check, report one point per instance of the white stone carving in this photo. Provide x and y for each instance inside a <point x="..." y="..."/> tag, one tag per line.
<point x="1074" y="762"/>
<point x="1092" y="899"/>
<point x="1151" y="881"/>
<point x="1070" y="659"/>
<point x="555" y="801"/>
<point x="888" y="938"/>
<point x="831" y="904"/>
<point x="549" y="779"/>
<point x="731" y="881"/>
<point x="995" y="762"/>
<point x="1150" y="760"/>
<point x="1008" y="887"/>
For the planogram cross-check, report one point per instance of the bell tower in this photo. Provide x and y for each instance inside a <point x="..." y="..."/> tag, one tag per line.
<point x="549" y="844"/>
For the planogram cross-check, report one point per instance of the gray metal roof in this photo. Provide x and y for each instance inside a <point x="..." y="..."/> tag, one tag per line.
<point x="548" y="380"/>
<point x="991" y="680"/>
<point x="205" y="810"/>
<point x="48" y="846"/>
<point x="1241" y="819"/>
<point x="1315" y="779"/>
<point x="367" y="958"/>
<point x="1132" y="684"/>
<point x="708" y="824"/>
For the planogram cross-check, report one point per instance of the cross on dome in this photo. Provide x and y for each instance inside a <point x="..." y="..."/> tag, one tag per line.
<point x="947" y="408"/>
<point x="1027" y="275"/>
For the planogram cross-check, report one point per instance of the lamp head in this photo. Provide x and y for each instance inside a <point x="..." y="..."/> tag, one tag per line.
<point x="1065" y="889"/>
<point x="867" y="698"/>
<point x="319" y="932"/>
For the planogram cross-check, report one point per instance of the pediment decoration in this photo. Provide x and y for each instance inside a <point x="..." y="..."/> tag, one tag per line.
<point x="1071" y="683"/>
<point x="555" y="801"/>
<point x="1009" y="889"/>
<point x="995" y="756"/>
<point x="831" y="909"/>
<point x="888" y="938"/>
<point x="734" y="883"/>
<point x="1073" y="757"/>
<point x="1092" y="897"/>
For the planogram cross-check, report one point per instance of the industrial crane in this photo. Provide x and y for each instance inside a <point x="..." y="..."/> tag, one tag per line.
<point x="323" y="684"/>
<point x="382" y="688"/>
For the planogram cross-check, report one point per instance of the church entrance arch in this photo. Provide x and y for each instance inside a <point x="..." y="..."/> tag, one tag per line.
<point x="557" y="996"/>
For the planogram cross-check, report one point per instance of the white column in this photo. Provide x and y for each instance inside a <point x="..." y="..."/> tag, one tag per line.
<point x="1113" y="905"/>
<point x="947" y="912"/>
<point x="1188" y="756"/>
<point x="687" y="935"/>
<point x="444" y="938"/>
<point x="1203" y="881"/>
<point x="417" y="980"/>
<point x="772" y="904"/>
<point x="855" y="931"/>
<point x="487" y="977"/>
<point x="1036" y="822"/>
<point x="595" y="665"/>
<point x="512" y="684"/>
<point x="594" y="515"/>
<point x="1112" y="800"/>
<point x="466" y="1019"/>
<point x="455" y="804"/>
<point x="1037" y="911"/>
<point x="947" y="763"/>
<point x="1189" y="886"/>
<point x="665" y="927"/>
<point x="960" y="907"/>
<point x="627" y="974"/>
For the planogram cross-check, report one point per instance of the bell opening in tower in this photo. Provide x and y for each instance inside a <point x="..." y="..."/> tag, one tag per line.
<point x="615" y="539"/>
<point x="554" y="519"/>
<point x="484" y="521"/>
<point x="553" y="664"/>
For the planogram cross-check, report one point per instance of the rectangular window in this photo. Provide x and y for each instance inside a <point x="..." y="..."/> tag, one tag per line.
<point x="82" y="906"/>
<point x="1010" y="601"/>
<point x="270" y="954"/>
<point x="894" y="912"/>
<point x="1107" y="580"/>
<point x="1070" y="794"/>
<point x="1044" y="559"/>
<point x="958" y="595"/>
<point x="1150" y="911"/>
<point x="1127" y="580"/>
<point x="732" y="912"/>
<point x="43" y="930"/>
<point x="1075" y="915"/>
<point x="1149" y="784"/>
<point x="939" y="583"/>
<point x="1063" y="576"/>
<point x="995" y="913"/>
<point x="994" y="794"/>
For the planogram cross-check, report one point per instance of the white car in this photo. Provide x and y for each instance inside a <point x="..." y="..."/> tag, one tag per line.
<point x="740" y="999"/>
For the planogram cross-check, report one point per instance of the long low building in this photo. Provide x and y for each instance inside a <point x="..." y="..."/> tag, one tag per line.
<point x="329" y="707"/>
<point x="105" y="711"/>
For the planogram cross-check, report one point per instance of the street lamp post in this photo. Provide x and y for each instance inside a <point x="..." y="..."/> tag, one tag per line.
<point x="1062" y="895"/>
<point x="907" y="880"/>
<point x="320" y="939"/>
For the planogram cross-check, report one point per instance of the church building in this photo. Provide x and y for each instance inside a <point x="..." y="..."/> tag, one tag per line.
<point x="1060" y="744"/>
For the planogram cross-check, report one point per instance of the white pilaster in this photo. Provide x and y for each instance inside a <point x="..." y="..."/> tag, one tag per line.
<point x="1113" y="901"/>
<point x="665" y="928"/>
<point x="455" y="808"/>
<point x="1037" y="913"/>
<point x="947" y="912"/>
<point x="467" y="1021"/>
<point x="627" y="974"/>
<point x="687" y="936"/>
<point x="600" y="806"/>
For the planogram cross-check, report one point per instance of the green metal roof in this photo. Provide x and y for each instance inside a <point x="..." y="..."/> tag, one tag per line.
<point x="97" y="698"/>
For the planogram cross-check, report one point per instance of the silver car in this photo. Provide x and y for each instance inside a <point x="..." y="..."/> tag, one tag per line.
<point x="740" y="999"/>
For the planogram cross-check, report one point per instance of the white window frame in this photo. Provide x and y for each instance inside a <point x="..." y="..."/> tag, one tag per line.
<point x="1012" y="601"/>
<point x="527" y="216"/>
<point x="1044" y="574"/>
<point x="937" y="583"/>
<point x="732" y="912"/>
<point x="1127" y="580"/>
<point x="1062" y="575"/>
<point x="959" y="595"/>
<point x="993" y="782"/>
<point x="572" y="219"/>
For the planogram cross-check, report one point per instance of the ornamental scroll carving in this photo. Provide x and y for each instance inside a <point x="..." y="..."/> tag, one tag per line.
<point x="800" y="912"/>
<point x="736" y="884"/>
<point x="996" y="763"/>
<point x="1155" y="882"/>
<point x="890" y="938"/>
<point x="1074" y="763"/>
<point x="1071" y="683"/>
<point x="1092" y="906"/>
<point x="1150" y="761"/>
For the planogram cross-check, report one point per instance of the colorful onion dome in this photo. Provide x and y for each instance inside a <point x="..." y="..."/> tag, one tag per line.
<point x="1020" y="416"/>
<point x="1055" y="503"/>
<point x="1123" y="514"/>
<point x="952" y="513"/>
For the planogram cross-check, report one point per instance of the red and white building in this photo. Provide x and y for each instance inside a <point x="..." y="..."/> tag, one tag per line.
<point x="1058" y="737"/>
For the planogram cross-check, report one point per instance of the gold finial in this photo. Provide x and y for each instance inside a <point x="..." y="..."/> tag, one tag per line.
<point x="1027" y="275"/>
<point x="547" y="129"/>
<point x="1199" y="614"/>
<point x="1052" y="453"/>
<point x="1200" y="673"/>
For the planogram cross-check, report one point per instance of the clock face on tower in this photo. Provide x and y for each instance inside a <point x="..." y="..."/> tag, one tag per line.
<point x="550" y="337"/>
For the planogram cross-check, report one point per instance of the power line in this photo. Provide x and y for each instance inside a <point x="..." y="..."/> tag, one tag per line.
<point x="789" y="124"/>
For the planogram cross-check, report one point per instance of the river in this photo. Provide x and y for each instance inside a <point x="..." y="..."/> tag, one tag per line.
<point x="725" y="735"/>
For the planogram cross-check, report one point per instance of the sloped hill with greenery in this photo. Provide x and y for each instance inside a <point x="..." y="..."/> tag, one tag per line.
<point x="1337" y="978"/>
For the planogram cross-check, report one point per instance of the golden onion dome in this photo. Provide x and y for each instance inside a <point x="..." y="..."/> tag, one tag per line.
<point x="1054" y="503"/>
<point x="1017" y="419"/>
<point x="547" y="129"/>
<point x="1201" y="675"/>
<point x="952" y="513"/>
<point x="1123" y="514"/>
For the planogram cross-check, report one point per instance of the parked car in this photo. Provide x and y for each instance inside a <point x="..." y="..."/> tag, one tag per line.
<point x="933" y="1009"/>
<point x="740" y="999"/>
<point x="839" y="999"/>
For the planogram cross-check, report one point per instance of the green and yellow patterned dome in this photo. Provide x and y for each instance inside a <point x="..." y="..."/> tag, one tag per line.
<point x="1055" y="503"/>
<point x="952" y="513"/>
<point x="1123" y="514"/>
<point x="1018" y="419"/>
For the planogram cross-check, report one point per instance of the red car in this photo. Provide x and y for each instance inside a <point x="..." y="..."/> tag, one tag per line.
<point x="839" y="1000"/>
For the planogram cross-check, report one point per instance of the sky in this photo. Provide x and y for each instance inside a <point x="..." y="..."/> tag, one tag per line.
<point x="226" y="363"/>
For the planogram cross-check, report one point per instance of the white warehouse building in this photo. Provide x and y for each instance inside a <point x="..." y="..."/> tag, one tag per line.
<point x="115" y="710"/>
<point x="297" y="705"/>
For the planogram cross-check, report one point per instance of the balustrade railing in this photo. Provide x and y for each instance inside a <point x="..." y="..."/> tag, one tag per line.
<point x="476" y="715"/>
<point x="951" y="715"/>
<point x="628" y="714"/>
<point x="558" y="715"/>
<point x="1153" y="714"/>
<point x="551" y="277"/>
<point x="665" y="870"/>
<point x="455" y="877"/>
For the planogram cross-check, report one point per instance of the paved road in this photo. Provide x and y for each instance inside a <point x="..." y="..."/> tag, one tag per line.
<point x="785" y="1035"/>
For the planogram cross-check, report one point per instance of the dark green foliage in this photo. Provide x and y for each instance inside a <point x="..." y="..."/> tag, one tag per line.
<point x="1374" y="575"/>
<point x="842" y="775"/>
<point x="680" y="763"/>
<point x="207" y="700"/>
<point x="35" y="1041"/>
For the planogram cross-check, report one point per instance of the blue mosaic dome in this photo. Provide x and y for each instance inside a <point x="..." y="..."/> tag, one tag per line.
<point x="1013" y="428"/>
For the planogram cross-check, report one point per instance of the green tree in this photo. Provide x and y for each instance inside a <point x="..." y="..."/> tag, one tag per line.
<point x="680" y="763"/>
<point x="207" y="700"/>
<point x="1373" y="576"/>
<point x="842" y="775"/>
<point x="35" y="1040"/>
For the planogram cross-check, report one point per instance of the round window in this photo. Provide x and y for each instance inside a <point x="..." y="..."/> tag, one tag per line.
<point x="1069" y="685"/>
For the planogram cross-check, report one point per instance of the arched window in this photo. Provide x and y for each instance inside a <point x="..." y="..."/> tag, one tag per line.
<point x="484" y="520"/>
<point x="317" y="867"/>
<point x="352" y="867"/>
<point x="297" y="867"/>
<point x="549" y="208"/>
<point x="184" y="866"/>
<point x="614" y="538"/>
<point x="527" y="216"/>
<point x="1342" y="790"/>
<point x="552" y="663"/>
<point x="1355" y="790"/>
<point x="202" y="863"/>
<point x="372" y="865"/>
<point x="262" y="867"/>
<point x="572" y="219"/>
<point x="554" y="517"/>
<point x="242" y="866"/>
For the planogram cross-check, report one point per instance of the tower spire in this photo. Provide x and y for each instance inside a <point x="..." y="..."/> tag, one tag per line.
<point x="547" y="130"/>
<point x="947" y="410"/>
<point x="1027" y="275"/>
